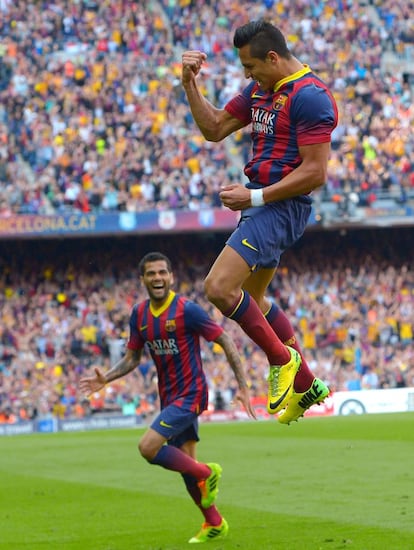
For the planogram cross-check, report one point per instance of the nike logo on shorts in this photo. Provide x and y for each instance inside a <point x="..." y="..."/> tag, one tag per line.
<point x="164" y="424"/>
<point x="245" y="242"/>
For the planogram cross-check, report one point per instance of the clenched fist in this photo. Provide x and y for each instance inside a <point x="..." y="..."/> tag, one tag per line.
<point x="191" y="65"/>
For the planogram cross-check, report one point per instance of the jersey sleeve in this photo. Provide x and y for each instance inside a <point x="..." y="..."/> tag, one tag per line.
<point x="240" y="106"/>
<point x="135" y="341"/>
<point x="201" y="322"/>
<point x="315" y="115"/>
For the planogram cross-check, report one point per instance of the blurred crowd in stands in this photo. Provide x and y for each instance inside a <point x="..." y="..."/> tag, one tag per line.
<point x="93" y="117"/>
<point x="65" y="307"/>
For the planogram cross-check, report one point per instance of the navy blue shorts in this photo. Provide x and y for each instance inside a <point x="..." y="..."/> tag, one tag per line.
<point x="177" y="425"/>
<point x="265" y="232"/>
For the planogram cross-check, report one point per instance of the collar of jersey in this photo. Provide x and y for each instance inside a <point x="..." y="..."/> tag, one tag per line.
<point x="160" y="310"/>
<point x="306" y="69"/>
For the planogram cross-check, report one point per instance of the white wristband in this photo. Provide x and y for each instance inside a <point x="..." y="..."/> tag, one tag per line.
<point x="256" y="197"/>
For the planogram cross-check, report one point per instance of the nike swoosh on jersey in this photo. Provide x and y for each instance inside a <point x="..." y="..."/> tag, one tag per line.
<point x="245" y="242"/>
<point x="143" y="327"/>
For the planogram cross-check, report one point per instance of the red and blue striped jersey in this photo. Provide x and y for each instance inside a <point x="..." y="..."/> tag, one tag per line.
<point x="172" y="336"/>
<point x="299" y="111"/>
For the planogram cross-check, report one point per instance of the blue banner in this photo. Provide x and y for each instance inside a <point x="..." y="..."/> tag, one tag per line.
<point x="153" y="222"/>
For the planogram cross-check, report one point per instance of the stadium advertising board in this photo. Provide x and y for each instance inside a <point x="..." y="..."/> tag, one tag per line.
<point x="172" y="221"/>
<point x="341" y="403"/>
<point x="338" y="404"/>
<point x="50" y="425"/>
<point x="87" y="225"/>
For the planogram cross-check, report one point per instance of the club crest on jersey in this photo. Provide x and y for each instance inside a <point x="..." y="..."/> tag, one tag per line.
<point x="170" y="325"/>
<point x="280" y="102"/>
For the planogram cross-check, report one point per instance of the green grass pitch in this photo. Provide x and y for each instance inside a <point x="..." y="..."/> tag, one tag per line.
<point x="321" y="484"/>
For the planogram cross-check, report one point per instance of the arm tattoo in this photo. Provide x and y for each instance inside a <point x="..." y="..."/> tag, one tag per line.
<point x="233" y="357"/>
<point x="125" y="365"/>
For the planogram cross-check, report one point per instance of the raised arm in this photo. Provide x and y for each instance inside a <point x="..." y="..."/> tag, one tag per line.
<point x="215" y="124"/>
<point x="233" y="357"/>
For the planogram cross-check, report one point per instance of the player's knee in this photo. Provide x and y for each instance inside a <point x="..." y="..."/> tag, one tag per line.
<point x="217" y="293"/>
<point x="147" y="451"/>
